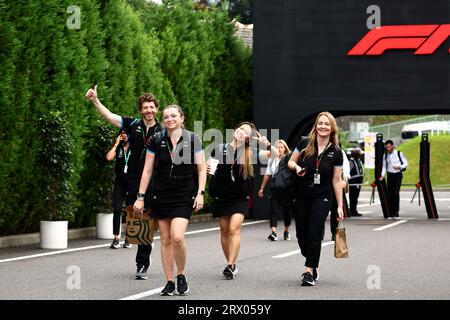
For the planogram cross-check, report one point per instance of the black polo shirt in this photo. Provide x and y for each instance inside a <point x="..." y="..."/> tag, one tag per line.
<point x="138" y="137"/>
<point x="228" y="183"/>
<point x="176" y="173"/>
<point x="332" y="157"/>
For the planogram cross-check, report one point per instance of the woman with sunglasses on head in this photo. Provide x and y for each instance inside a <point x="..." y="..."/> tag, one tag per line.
<point x="230" y="189"/>
<point x="319" y="167"/>
<point x="176" y="157"/>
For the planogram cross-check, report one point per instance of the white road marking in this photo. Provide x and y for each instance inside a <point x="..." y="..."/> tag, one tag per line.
<point x="158" y="290"/>
<point x="409" y="199"/>
<point x="368" y="204"/>
<point x="291" y="253"/>
<point x="108" y="244"/>
<point x="54" y="253"/>
<point x="389" y="225"/>
<point x="143" y="294"/>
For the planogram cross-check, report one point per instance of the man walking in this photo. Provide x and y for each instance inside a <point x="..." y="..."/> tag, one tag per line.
<point x="140" y="132"/>
<point x="394" y="162"/>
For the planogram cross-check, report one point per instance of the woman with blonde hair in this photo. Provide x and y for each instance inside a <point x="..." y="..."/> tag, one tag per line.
<point x="319" y="167"/>
<point x="230" y="189"/>
<point x="176" y="157"/>
<point x="276" y="206"/>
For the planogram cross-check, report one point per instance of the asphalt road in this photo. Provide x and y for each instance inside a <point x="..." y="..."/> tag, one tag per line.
<point x="409" y="259"/>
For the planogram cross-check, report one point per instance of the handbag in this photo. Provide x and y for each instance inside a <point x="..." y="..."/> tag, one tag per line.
<point x="140" y="227"/>
<point x="340" y="244"/>
<point x="282" y="183"/>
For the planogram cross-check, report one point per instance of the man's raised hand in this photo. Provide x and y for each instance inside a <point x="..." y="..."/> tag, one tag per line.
<point x="92" y="93"/>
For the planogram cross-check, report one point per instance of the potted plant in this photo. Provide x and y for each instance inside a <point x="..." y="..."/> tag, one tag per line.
<point x="97" y="198"/>
<point x="56" y="147"/>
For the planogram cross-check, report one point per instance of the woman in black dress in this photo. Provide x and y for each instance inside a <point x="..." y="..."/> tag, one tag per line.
<point x="229" y="188"/>
<point x="176" y="157"/>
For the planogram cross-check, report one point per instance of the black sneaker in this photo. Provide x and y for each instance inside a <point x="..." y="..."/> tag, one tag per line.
<point x="308" y="280"/>
<point x="286" y="235"/>
<point x="333" y="237"/>
<point x="141" y="273"/>
<point x="316" y="274"/>
<point x="230" y="272"/>
<point x="126" y="244"/>
<point x="182" y="286"/>
<point x="272" y="237"/>
<point x="169" y="289"/>
<point x="115" y="244"/>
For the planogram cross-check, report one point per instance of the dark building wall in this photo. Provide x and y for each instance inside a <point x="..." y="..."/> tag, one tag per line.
<point x="301" y="66"/>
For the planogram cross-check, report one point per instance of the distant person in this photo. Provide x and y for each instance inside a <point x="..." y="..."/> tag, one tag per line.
<point x="356" y="177"/>
<point x="319" y="167"/>
<point x="121" y="152"/>
<point x="394" y="162"/>
<point x="276" y="206"/>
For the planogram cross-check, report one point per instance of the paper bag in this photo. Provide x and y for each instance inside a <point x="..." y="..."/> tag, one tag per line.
<point x="340" y="244"/>
<point x="140" y="227"/>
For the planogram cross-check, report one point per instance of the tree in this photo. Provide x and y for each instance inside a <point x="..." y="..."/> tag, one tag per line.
<point x="54" y="155"/>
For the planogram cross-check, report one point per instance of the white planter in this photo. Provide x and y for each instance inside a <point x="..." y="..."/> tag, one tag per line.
<point x="105" y="226"/>
<point x="54" y="234"/>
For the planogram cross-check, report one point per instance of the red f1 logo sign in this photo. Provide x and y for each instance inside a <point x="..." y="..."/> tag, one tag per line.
<point x="424" y="38"/>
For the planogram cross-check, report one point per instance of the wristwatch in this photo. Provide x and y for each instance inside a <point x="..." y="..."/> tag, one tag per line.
<point x="140" y="196"/>
<point x="202" y="192"/>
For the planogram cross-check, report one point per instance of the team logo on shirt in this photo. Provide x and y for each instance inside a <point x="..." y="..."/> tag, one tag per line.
<point x="330" y="154"/>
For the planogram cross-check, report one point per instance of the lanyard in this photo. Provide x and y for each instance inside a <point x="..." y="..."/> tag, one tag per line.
<point x="146" y="136"/>
<point x="235" y="153"/>
<point x="172" y="152"/>
<point x="126" y="156"/>
<point x="319" y="158"/>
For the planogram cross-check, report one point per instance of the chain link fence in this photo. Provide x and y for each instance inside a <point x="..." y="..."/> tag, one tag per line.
<point x="393" y="130"/>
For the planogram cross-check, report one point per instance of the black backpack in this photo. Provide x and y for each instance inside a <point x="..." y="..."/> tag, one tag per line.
<point x="401" y="161"/>
<point x="282" y="183"/>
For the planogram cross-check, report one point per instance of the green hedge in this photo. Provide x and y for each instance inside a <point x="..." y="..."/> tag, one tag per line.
<point x="183" y="55"/>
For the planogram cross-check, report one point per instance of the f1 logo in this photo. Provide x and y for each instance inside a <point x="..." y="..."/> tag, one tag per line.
<point x="425" y="39"/>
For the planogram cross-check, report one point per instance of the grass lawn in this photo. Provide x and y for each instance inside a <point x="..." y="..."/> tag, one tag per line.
<point x="439" y="161"/>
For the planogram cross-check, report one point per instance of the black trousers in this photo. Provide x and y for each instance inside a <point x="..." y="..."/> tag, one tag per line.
<point x="275" y="208"/>
<point x="143" y="251"/>
<point x="310" y="216"/>
<point x="119" y="192"/>
<point x="354" y="195"/>
<point x="394" y="183"/>
<point x="334" y="213"/>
